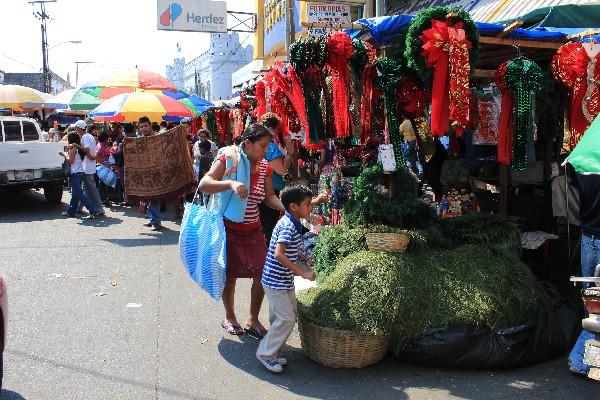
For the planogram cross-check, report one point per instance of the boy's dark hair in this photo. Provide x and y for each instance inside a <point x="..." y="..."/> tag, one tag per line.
<point x="155" y="127"/>
<point x="164" y="124"/>
<point x="205" y="146"/>
<point x="270" y="120"/>
<point x="144" y="120"/>
<point x="255" y="132"/>
<point x="294" y="194"/>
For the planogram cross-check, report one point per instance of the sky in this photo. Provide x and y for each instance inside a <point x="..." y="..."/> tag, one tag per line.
<point x="115" y="34"/>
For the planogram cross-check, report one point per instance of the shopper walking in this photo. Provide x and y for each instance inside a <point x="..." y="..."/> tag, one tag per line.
<point x="76" y="156"/>
<point x="89" y="165"/>
<point x="145" y="129"/>
<point x="246" y="248"/>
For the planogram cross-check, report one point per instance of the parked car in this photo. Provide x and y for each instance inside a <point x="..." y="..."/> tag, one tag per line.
<point x="3" y="325"/>
<point x="28" y="162"/>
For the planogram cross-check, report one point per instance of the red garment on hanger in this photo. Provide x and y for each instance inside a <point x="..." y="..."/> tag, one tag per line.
<point x="340" y="49"/>
<point x="505" y="125"/>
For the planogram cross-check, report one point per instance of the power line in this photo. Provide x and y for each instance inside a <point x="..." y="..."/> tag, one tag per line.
<point x="18" y="61"/>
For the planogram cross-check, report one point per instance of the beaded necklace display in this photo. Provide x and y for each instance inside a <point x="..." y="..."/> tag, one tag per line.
<point x="523" y="77"/>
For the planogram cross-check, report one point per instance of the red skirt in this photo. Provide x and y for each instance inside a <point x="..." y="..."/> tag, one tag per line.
<point x="246" y="250"/>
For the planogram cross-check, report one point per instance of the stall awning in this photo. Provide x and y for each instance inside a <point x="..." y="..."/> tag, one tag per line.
<point x="483" y="10"/>
<point x="567" y="16"/>
<point x="385" y="30"/>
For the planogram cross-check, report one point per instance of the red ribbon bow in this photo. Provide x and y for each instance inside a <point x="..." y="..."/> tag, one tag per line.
<point x="446" y="49"/>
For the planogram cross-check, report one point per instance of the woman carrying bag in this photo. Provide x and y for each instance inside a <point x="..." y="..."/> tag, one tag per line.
<point x="242" y="178"/>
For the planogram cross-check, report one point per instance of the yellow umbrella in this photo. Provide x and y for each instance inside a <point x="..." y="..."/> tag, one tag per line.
<point x="21" y="98"/>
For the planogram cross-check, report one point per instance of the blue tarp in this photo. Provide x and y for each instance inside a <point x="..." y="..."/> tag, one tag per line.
<point x="384" y="30"/>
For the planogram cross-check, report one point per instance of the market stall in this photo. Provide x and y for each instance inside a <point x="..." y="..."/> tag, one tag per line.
<point x="424" y="128"/>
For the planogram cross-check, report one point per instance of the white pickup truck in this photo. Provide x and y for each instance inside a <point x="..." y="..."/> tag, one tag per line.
<point x="27" y="162"/>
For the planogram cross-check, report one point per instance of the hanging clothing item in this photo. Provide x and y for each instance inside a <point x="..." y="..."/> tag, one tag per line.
<point x="488" y="115"/>
<point x="340" y="49"/>
<point x="366" y="111"/>
<point x="505" y="124"/>
<point x="578" y="71"/>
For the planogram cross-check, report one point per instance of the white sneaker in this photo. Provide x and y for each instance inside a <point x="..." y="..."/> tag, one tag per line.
<point x="271" y="365"/>
<point x="280" y="360"/>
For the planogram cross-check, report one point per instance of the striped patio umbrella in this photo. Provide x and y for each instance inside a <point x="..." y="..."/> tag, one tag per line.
<point x="73" y="99"/>
<point x="20" y="98"/>
<point x="131" y="106"/>
<point x="134" y="78"/>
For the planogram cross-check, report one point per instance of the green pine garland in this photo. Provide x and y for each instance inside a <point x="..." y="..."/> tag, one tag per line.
<point x="421" y="23"/>
<point x="389" y="74"/>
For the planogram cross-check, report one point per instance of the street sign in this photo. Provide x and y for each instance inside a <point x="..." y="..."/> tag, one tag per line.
<point x="327" y="13"/>
<point x="192" y="16"/>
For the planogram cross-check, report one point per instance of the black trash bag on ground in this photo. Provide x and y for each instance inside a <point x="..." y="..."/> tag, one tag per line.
<point x="550" y="333"/>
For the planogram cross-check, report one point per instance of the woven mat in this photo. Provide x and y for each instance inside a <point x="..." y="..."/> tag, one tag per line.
<point x="158" y="167"/>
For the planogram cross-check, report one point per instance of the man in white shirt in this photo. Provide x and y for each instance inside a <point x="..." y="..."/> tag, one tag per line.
<point x="89" y="165"/>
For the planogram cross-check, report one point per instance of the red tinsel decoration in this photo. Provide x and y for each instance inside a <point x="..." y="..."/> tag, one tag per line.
<point x="577" y="71"/>
<point x="446" y="49"/>
<point x="340" y="49"/>
<point x="261" y="101"/>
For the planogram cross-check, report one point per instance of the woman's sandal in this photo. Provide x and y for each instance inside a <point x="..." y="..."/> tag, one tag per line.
<point x="232" y="329"/>
<point x="256" y="333"/>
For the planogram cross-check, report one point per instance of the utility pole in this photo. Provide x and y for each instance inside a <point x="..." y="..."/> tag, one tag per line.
<point x="290" y="26"/>
<point x="42" y="16"/>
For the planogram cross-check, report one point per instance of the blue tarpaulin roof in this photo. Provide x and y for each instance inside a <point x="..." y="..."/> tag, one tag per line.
<point x="384" y="30"/>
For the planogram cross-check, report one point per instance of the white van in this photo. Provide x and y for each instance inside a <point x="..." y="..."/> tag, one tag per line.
<point x="28" y="162"/>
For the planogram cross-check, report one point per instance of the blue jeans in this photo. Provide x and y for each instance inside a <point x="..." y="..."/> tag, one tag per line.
<point x="409" y="150"/>
<point x="154" y="212"/>
<point x="77" y="195"/>
<point x="590" y="257"/>
<point x="590" y="254"/>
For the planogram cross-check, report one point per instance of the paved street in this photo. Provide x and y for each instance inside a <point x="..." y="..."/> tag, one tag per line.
<point x="104" y="310"/>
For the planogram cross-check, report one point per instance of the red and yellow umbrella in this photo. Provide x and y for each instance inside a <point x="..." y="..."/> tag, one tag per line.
<point x="132" y="106"/>
<point x="134" y="78"/>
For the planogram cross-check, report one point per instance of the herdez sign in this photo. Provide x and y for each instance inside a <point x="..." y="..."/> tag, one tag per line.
<point x="192" y="15"/>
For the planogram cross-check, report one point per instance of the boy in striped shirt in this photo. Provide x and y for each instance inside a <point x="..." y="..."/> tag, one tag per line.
<point x="278" y="275"/>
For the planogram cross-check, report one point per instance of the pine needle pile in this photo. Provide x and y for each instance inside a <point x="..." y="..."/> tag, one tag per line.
<point x="406" y="295"/>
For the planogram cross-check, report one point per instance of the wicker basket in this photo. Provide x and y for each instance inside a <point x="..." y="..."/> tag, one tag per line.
<point x="392" y="242"/>
<point x="341" y="349"/>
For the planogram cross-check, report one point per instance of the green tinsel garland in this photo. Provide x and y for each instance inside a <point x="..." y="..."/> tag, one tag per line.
<point x="389" y="74"/>
<point x="308" y="52"/>
<point x="523" y="77"/>
<point x="421" y="23"/>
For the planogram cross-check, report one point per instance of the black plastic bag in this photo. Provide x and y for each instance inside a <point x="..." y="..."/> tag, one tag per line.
<point x="550" y="333"/>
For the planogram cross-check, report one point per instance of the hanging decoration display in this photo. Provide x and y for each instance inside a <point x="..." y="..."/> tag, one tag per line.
<point x="523" y="77"/>
<point x="308" y="56"/>
<point x="389" y="74"/>
<point x="505" y="124"/>
<point x="340" y="50"/>
<point x="578" y="68"/>
<point x="441" y="45"/>
<point x="358" y="62"/>
<point x="367" y="76"/>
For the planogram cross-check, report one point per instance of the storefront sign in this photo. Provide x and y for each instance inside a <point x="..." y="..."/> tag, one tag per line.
<point x="274" y="24"/>
<point x="192" y="15"/>
<point x="321" y="13"/>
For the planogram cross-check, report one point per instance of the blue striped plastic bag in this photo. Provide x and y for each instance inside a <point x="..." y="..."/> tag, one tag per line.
<point x="202" y="248"/>
<point x="107" y="176"/>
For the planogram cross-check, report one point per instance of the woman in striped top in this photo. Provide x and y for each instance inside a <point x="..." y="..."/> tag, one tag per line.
<point x="246" y="248"/>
